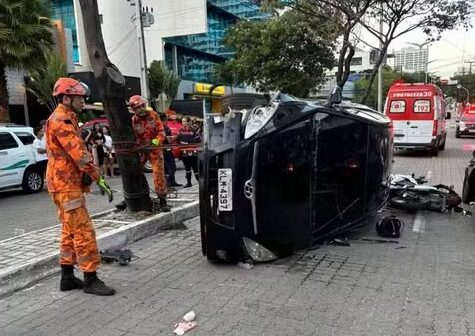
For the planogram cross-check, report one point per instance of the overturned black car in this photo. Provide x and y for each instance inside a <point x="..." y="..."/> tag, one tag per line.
<point x="277" y="177"/>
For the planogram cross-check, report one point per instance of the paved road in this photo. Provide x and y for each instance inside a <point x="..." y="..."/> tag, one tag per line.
<point x="31" y="212"/>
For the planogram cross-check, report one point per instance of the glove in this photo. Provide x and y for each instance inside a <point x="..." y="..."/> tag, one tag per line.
<point x="105" y="188"/>
<point x="155" y="142"/>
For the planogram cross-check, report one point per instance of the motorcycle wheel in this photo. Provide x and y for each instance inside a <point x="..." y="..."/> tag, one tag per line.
<point x="403" y="203"/>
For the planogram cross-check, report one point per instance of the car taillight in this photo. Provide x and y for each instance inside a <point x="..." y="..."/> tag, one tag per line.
<point x="434" y="128"/>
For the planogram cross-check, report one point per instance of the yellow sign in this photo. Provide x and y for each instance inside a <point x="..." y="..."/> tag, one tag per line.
<point x="204" y="89"/>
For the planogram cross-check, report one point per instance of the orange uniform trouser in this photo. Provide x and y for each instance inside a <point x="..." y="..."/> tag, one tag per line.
<point x="78" y="239"/>
<point x="158" y="170"/>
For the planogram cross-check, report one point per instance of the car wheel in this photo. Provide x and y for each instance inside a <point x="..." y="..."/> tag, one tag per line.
<point x="32" y="181"/>
<point x="442" y="146"/>
<point x="457" y="134"/>
<point x="435" y="150"/>
<point x="240" y="101"/>
<point x="147" y="167"/>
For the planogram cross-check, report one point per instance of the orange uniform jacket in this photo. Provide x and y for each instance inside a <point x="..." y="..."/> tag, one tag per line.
<point x="148" y="128"/>
<point x="68" y="157"/>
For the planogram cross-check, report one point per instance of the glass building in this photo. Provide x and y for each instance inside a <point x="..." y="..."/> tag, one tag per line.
<point x="64" y="10"/>
<point x="194" y="56"/>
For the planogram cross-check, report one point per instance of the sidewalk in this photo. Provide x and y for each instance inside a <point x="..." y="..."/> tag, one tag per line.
<point x="34" y="255"/>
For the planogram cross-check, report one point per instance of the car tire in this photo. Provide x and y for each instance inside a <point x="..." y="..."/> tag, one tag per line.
<point x="442" y="146"/>
<point x="147" y="168"/>
<point x="240" y="101"/>
<point x="435" y="150"/>
<point x="457" y="134"/>
<point x="32" y="181"/>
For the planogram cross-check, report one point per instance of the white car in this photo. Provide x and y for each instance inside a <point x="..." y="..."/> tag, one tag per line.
<point x="18" y="166"/>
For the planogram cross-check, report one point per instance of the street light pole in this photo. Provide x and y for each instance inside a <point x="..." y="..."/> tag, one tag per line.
<point x="459" y="86"/>
<point x="420" y="45"/>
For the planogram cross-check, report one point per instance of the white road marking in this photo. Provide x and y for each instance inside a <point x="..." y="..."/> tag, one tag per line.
<point x="419" y="223"/>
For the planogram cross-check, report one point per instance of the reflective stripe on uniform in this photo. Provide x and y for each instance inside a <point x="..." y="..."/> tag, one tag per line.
<point x="73" y="204"/>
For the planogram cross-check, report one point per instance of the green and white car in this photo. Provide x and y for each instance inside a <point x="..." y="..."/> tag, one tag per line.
<point x="18" y="166"/>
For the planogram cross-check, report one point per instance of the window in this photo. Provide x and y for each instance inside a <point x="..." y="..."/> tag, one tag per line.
<point x="357" y="61"/>
<point x="397" y="106"/>
<point x="422" y="106"/>
<point x="7" y="141"/>
<point x="25" y="137"/>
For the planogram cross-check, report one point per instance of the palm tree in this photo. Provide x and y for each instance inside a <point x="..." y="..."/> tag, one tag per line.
<point x="26" y="37"/>
<point x="42" y="80"/>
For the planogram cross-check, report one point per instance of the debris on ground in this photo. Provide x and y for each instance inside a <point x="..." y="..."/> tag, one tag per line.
<point x="190" y="316"/>
<point x="339" y="242"/>
<point x="187" y="324"/>
<point x="122" y="256"/>
<point x="245" y="265"/>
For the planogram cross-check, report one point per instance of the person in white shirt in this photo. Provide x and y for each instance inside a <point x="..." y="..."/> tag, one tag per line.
<point x="109" y="153"/>
<point x="39" y="145"/>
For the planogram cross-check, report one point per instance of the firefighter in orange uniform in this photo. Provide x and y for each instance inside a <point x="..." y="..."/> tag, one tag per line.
<point x="69" y="173"/>
<point x="149" y="131"/>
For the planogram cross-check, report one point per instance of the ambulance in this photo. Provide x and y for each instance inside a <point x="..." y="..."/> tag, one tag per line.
<point x="417" y="111"/>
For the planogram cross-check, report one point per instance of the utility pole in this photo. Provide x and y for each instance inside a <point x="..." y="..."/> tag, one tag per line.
<point x="380" y="70"/>
<point x="470" y="66"/>
<point x="141" y="46"/>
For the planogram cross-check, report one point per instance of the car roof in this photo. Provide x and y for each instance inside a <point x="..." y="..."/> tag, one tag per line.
<point x="15" y="127"/>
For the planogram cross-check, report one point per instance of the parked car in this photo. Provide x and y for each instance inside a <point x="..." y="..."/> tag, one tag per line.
<point x="466" y="124"/>
<point x="18" y="166"/>
<point x="418" y="114"/>
<point x="280" y="176"/>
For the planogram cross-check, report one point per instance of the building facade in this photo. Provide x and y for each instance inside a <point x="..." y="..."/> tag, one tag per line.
<point x="411" y="59"/>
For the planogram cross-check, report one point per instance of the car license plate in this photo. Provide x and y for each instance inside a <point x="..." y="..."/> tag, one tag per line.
<point x="225" y="189"/>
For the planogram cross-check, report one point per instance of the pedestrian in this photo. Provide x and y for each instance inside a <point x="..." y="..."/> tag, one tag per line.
<point x="109" y="152"/>
<point x="39" y="145"/>
<point x="188" y="135"/>
<point x="170" y="165"/>
<point x="69" y="173"/>
<point x="150" y="133"/>
<point x="97" y="140"/>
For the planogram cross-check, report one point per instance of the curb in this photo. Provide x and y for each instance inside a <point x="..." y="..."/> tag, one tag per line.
<point x="22" y="276"/>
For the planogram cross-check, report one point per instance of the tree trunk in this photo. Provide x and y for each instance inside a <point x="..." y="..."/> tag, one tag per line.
<point x="344" y="60"/>
<point x="4" y="115"/>
<point x="382" y="55"/>
<point x="136" y="189"/>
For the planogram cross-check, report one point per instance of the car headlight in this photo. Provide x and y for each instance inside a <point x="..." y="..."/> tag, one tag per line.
<point x="258" y="118"/>
<point x="257" y="252"/>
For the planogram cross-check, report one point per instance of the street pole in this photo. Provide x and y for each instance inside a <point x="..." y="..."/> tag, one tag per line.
<point x="380" y="70"/>
<point x="142" y="53"/>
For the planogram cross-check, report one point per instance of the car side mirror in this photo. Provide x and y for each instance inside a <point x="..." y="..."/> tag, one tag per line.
<point x="335" y="96"/>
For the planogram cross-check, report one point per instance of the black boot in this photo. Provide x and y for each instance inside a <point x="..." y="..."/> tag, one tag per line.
<point x="92" y="285"/>
<point x="197" y="177"/>
<point x="163" y="204"/>
<point x="188" y="179"/>
<point x="68" y="280"/>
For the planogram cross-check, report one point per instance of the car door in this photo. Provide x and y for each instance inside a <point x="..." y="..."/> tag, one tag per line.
<point x="11" y="163"/>
<point x="422" y="121"/>
<point x="399" y="114"/>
